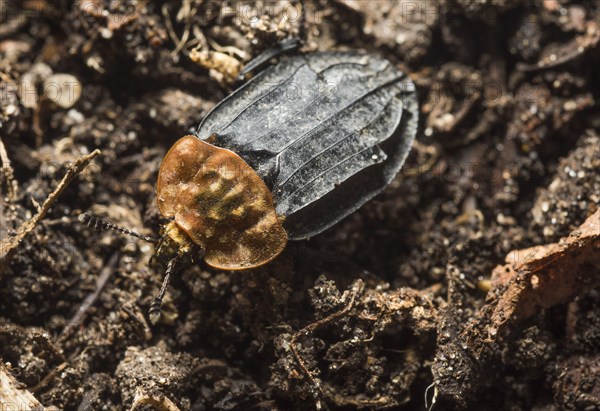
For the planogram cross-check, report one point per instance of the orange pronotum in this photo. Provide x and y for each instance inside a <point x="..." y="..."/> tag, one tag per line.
<point x="221" y="203"/>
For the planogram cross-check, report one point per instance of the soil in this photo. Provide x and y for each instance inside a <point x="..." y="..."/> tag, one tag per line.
<point x="409" y="303"/>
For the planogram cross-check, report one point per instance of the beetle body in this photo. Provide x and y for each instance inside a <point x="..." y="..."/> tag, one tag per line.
<point x="293" y="151"/>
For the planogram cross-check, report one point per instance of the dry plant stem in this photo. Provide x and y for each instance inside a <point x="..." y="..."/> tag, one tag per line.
<point x="186" y="33"/>
<point x="179" y="43"/>
<point x="37" y="120"/>
<point x="12" y="397"/>
<point x="144" y="328"/>
<point x="48" y="378"/>
<point x="8" y="172"/>
<point x="8" y="245"/>
<point x="420" y="169"/>
<point x="579" y="46"/>
<point x="357" y="288"/>
<point x="228" y="49"/>
<point x="79" y="316"/>
<point x="168" y="24"/>
<point x="161" y="404"/>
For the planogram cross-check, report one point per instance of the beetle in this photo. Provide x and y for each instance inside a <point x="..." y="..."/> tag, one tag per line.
<point x="287" y="155"/>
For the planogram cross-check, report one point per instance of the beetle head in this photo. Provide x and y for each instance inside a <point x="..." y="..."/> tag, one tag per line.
<point x="176" y="244"/>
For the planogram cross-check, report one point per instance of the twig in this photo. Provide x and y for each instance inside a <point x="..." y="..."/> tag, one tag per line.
<point x="432" y="150"/>
<point x="8" y="245"/>
<point x="228" y="49"/>
<point x="186" y="32"/>
<point x="12" y="397"/>
<point x="179" y="43"/>
<point x="433" y="399"/>
<point x="144" y="329"/>
<point x="48" y="378"/>
<point x="578" y="46"/>
<point x="79" y="316"/>
<point x="357" y="288"/>
<point x="169" y="24"/>
<point x="8" y="172"/>
<point x="36" y="124"/>
<point x="12" y="25"/>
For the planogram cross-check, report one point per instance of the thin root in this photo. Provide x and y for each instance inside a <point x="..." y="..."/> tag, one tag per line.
<point x="81" y="313"/>
<point x="356" y="289"/>
<point x="434" y="154"/>
<point x="48" y="378"/>
<point x="8" y="245"/>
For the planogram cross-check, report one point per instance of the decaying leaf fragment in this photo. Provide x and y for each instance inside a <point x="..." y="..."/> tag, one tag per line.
<point x="13" y="395"/>
<point x="533" y="279"/>
<point x="542" y="276"/>
<point x="222" y="67"/>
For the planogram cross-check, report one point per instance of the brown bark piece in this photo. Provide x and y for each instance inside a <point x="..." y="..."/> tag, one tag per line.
<point x="12" y="397"/>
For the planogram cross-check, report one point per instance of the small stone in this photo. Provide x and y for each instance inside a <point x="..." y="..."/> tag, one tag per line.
<point x="62" y="89"/>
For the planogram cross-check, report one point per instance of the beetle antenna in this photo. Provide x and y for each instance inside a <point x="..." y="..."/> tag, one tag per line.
<point x="155" y="308"/>
<point x="99" y="224"/>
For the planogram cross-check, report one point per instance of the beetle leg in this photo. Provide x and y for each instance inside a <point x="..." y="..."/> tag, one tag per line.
<point x="155" y="308"/>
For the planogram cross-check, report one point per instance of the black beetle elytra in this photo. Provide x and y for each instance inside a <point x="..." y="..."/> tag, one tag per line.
<point x="325" y="131"/>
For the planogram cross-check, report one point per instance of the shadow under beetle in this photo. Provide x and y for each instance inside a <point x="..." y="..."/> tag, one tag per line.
<point x="287" y="155"/>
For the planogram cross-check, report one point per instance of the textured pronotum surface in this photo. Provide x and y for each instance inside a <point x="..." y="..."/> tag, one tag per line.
<point x="221" y="203"/>
<point x="326" y="132"/>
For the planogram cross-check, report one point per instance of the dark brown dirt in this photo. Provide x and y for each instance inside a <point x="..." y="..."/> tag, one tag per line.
<point x="508" y="157"/>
